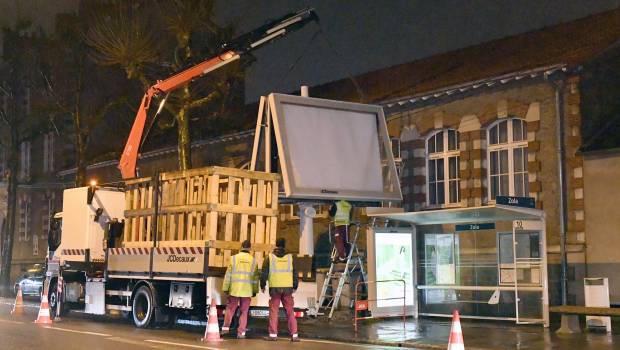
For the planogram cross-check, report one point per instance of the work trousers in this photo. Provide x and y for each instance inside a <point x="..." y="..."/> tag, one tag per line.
<point x="341" y="240"/>
<point x="274" y="307"/>
<point x="231" y="307"/>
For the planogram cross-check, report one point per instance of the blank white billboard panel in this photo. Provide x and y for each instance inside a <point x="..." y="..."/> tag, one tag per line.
<point x="333" y="149"/>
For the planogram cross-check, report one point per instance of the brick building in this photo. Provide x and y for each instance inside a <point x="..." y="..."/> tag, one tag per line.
<point x="499" y="118"/>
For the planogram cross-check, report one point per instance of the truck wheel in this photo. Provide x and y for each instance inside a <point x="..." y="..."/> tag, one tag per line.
<point x="52" y="300"/>
<point x="143" y="307"/>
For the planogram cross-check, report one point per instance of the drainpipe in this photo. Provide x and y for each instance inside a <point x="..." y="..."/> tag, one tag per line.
<point x="561" y="153"/>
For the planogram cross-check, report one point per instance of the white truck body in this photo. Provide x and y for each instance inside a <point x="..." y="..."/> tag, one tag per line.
<point x="80" y="231"/>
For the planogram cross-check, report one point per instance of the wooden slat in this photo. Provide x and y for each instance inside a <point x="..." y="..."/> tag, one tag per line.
<point x="244" y="200"/>
<point x="273" y="229"/>
<point x="230" y="200"/>
<point x="259" y="237"/>
<point x="214" y="207"/>
<point x="127" y="228"/>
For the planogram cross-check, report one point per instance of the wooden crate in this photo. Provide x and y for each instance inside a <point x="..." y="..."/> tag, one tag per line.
<point x="212" y="207"/>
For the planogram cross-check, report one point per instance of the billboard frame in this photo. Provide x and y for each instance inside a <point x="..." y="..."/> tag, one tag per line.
<point x="275" y="119"/>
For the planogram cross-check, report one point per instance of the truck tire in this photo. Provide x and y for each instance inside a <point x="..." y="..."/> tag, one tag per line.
<point x="143" y="307"/>
<point x="52" y="300"/>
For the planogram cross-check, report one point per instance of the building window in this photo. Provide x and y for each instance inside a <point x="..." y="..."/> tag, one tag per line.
<point x="507" y="154"/>
<point x="35" y="245"/>
<point x="442" y="154"/>
<point x="24" y="159"/>
<point x="48" y="152"/>
<point x="24" y="218"/>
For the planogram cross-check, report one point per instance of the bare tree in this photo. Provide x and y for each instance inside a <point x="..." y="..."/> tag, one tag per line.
<point x="154" y="39"/>
<point x="18" y="123"/>
<point x="78" y="89"/>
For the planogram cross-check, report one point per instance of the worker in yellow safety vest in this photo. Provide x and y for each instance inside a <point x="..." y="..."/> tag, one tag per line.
<point x="341" y="212"/>
<point x="240" y="284"/>
<point x="279" y="271"/>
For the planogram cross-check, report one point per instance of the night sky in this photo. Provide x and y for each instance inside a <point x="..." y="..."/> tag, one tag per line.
<point x="358" y="36"/>
<point x="369" y="35"/>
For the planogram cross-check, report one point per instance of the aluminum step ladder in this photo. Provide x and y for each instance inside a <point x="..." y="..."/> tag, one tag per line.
<point x="340" y="271"/>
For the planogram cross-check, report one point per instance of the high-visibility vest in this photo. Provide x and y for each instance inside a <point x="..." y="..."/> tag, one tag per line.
<point x="343" y="213"/>
<point x="241" y="278"/>
<point x="280" y="271"/>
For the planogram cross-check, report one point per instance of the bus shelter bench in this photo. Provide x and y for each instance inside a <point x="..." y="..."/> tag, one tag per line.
<point x="570" y="315"/>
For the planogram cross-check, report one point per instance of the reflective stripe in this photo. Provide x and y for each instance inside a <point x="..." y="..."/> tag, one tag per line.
<point x="289" y="267"/>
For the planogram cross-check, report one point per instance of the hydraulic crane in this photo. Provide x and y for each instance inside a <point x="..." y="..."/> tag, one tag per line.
<point x="231" y="52"/>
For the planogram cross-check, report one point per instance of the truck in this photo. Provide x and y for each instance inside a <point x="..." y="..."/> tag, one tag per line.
<point x="157" y="247"/>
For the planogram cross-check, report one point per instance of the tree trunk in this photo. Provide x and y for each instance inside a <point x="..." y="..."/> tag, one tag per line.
<point x="7" y="239"/>
<point x="80" y="151"/>
<point x="184" y="140"/>
<point x="80" y="154"/>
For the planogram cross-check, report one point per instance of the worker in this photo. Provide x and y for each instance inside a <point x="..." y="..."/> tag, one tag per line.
<point x="281" y="274"/>
<point x="341" y="212"/>
<point x="240" y="284"/>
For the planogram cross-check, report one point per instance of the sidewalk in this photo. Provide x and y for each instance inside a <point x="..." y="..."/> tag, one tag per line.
<point x="432" y="333"/>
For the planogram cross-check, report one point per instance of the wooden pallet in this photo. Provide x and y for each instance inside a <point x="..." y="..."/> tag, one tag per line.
<point x="212" y="207"/>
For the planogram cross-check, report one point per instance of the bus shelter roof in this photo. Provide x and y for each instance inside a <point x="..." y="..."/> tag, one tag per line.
<point x="471" y="215"/>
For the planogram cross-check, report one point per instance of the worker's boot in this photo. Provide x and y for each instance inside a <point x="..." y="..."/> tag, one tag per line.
<point x="295" y="338"/>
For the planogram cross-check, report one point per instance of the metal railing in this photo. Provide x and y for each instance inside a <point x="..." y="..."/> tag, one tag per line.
<point x="363" y="305"/>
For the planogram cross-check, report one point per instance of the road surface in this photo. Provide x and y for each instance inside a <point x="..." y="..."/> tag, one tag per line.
<point x="79" y="332"/>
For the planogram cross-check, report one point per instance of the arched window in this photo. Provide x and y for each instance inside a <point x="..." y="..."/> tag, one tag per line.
<point x="507" y="155"/>
<point x="442" y="159"/>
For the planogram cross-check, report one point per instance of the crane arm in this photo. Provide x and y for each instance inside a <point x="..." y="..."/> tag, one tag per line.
<point x="230" y="53"/>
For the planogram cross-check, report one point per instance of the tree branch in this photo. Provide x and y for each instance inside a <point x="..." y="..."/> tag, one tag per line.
<point x="203" y="101"/>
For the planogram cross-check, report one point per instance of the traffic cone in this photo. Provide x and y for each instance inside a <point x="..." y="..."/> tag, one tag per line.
<point x="212" y="333"/>
<point x="44" y="312"/>
<point x="18" y="307"/>
<point x="456" y="335"/>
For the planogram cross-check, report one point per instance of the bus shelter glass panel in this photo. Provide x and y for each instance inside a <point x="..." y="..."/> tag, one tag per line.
<point x="528" y="271"/>
<point x="482" y="273"/>
<point x="459" y="270"/>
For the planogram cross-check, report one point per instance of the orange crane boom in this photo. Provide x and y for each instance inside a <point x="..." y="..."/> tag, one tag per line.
<point x="230" y="53"/>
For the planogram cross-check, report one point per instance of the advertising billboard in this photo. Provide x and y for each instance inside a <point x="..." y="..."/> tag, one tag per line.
<point x="391" y="270"/>
<point x="333" y="150"/>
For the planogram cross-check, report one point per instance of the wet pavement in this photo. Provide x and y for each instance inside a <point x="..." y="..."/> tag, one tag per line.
<point x="433" y="333"/>
<point x="76" y="330"/>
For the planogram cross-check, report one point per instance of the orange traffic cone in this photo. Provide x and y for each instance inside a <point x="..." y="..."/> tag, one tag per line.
<point x="18" y="307"/>
<point x="212" y="333"/>
<point x="44" y="311"/>
<point x="456" y="335"/>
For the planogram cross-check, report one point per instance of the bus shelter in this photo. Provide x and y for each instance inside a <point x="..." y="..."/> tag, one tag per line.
<point x="488" y="262"/>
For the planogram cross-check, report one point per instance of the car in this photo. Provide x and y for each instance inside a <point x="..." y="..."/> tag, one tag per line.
<point x="31" y="282"/>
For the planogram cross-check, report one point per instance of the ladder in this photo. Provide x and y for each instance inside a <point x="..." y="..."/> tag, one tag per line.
<point x="340" y="271"/>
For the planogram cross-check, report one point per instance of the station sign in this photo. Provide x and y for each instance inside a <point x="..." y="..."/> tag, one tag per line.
<point x="475" y="227"/>
<point x="524" y="202"/>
